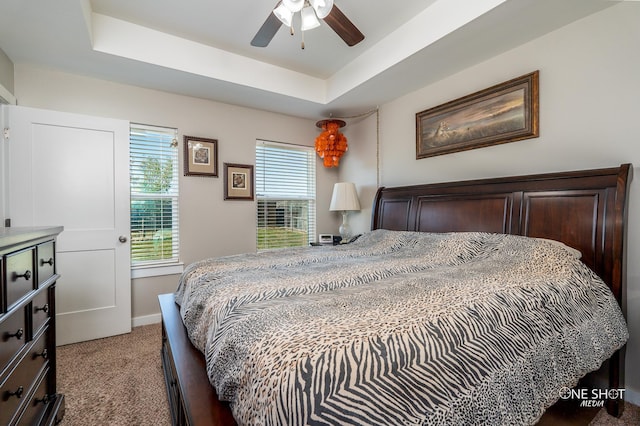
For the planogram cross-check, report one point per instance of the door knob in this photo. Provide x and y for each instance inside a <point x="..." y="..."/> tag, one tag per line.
<point x="122" y="239"/>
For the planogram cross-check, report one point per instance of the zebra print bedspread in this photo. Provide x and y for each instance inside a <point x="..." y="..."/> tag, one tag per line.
<point x="399" y="328"/>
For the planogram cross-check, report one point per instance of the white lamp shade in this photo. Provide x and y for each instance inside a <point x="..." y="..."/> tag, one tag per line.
<point x="322" y="7"/>
<point x="283" y="14"/>
<point x="344" y="197"/>
<point x="309" y="20"/>
<point x="293" y="5"/>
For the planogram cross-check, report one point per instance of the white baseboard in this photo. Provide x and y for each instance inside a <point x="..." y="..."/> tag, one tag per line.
<point x="632" y="396"/>
<point x="146" y="320"/>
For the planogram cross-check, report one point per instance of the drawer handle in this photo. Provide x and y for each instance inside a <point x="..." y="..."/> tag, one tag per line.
<point x="26" y="276"/>
<point x="45" y="309"/>
<point x="44" y="354"/>
<point x="18" y="335"/>
<point x="18" y="393"/>
<point x="46" y="262"/>
<point x="45" y="400"/>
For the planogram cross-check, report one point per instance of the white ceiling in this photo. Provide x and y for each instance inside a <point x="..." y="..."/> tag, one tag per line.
<point x="201" y="47"/>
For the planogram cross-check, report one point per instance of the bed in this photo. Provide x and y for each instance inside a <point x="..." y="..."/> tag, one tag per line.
<point x="478" y="223"/>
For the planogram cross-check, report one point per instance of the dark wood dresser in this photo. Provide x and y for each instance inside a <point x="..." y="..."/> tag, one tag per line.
<point x="28" y="275"/>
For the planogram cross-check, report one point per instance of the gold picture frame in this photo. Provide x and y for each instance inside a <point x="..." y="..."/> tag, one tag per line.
<point x="238" y="181"/>
<point x="503" y="113"/>
<point x="200" y="156"/>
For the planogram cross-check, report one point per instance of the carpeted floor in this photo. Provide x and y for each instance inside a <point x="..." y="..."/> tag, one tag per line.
<point x="119" y="381"/>
<point x="630" y="416"/>
<point x="114" y="381"/>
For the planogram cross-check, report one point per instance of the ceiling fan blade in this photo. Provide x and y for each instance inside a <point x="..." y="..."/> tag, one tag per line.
<point x="267" y="31"/>
<point x="343" y="27"/>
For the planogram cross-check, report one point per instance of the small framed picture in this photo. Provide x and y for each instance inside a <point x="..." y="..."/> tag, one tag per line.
<point x="238" y="181"/>
<point x="200" y="156"/>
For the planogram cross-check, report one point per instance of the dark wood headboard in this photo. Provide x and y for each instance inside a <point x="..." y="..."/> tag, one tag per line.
<point x="586" y="210"/>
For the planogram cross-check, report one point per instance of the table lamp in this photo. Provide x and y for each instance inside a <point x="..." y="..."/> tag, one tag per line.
<point x="344" y="199"/>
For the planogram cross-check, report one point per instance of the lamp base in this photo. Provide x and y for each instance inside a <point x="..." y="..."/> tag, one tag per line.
<point x="345" y="231"/>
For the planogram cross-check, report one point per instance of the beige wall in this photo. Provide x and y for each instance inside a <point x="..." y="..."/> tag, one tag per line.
<point x="589" y="118"/>
<point x="360" y="165"/>
<point x="6" y="72"/>
<point x="209" y="226"/>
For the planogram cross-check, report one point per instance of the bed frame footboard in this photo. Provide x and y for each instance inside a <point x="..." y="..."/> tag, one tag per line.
<point x="192" y="399"/>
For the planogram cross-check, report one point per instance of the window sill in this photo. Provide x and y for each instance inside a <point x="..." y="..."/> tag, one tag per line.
<point x="156" y="270"/>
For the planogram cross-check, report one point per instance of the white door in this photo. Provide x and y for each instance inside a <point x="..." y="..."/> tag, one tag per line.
<point x="73" y="170"/>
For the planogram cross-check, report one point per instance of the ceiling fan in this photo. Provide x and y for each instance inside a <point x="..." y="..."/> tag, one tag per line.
<point x="310" y="11"/>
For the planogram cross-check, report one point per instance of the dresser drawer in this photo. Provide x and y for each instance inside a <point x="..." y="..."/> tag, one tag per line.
<point x="19" y="275"/>
<point x="13" y="336"/>
<point x="40" y="310"/>
<point x="45" y="255"/>
<point x="38" y="353"/>
<point x="37" y="405"/>
<point x="21" y="380"/>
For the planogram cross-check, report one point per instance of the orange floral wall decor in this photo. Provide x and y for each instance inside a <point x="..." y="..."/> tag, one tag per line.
<point x="331" y="144"/>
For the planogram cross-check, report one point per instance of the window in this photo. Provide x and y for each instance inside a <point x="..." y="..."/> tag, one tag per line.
<point x="154" y="195"/>
<point x="286" y="195"/>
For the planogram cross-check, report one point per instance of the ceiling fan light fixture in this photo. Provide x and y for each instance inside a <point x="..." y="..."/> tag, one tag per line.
<point x="309" y="19"/>
<point x="322" y="7"/>
<point x="284" y="14"/>
<point x="293" y="5"/>
<point x="311" y="11"/>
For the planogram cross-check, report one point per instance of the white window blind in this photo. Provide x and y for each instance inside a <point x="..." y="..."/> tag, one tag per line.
<point x="154" y="195"/>
<point x="286" y="195"/>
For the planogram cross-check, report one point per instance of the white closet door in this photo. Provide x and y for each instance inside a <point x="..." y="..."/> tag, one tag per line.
<point x="73" y="170"/>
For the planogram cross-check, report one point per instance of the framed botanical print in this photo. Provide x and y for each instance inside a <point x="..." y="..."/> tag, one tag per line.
<point x="238" y="181"/>
<point x="200" y="156"/>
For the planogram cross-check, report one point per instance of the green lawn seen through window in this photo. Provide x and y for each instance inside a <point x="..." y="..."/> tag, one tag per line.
<point x="151" y="245"/>
<point x="276" y="237"/>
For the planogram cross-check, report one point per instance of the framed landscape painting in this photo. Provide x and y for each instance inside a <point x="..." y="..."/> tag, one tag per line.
<point x="503" y="113"/>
